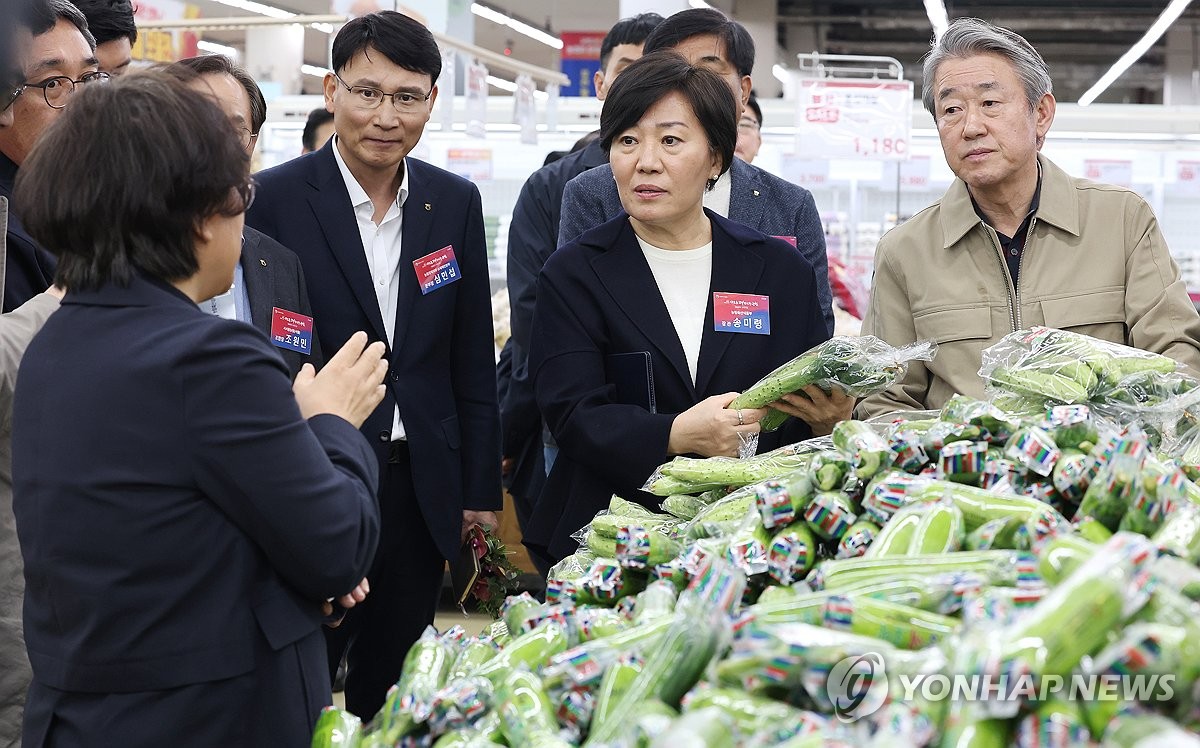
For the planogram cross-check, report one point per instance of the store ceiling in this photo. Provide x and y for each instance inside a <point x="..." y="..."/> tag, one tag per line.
<point x="1080" y="39"/>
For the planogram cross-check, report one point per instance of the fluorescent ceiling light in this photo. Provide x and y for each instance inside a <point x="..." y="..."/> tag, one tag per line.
<point x="936" y="10"/>
<point x="511" y="87"/>
<point x="780" y="72"/>
<point x="520" y="27"/>
<point x="313" y="70"/>
<point x="698" y="4"/>
<point x="1160" y="26"/>
<point x="271" y="11"/>
<point x="217" y="49"/>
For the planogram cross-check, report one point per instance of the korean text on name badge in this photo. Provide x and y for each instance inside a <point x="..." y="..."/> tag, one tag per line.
<point x="291" y="330"/>
<point x="437" y="269"/>
<point x="742" y="312"/>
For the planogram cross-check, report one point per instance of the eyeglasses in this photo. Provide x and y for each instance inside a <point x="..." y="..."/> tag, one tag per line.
<point x="9" y="94"/>
<point x="365" y="97"/>
<point x="245" y="137"/>
<point x="58" y="89"/>
<point x="746" y="123"/>
<point x="246" y="192"/>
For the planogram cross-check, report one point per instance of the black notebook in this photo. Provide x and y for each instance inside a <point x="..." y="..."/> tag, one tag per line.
<point x="633" y="376"/>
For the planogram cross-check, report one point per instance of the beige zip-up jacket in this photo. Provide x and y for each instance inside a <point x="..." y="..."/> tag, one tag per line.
<point x="1095" y="262"/>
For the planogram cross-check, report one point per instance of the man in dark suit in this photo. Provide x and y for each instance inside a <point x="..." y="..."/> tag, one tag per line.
<point x="269" y="282"/>
<point x="748" y="195"/>
<point x="61" y="56"/>
<point x="532" y="236"/>
<point x="394" y="246"/>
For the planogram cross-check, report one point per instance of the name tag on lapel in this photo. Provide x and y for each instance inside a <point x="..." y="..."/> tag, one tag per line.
<point x="742" y="312"/>
<point x="291" y="330"/>
<point x="437" y="269"/>
<point x="789" y="239"/>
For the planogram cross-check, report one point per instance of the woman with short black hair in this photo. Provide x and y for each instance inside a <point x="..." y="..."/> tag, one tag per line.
<point x="183" y="516"/>
<point x="646" y="327"/>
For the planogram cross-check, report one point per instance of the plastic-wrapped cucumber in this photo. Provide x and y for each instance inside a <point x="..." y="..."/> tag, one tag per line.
<point x="781" y="500"/>
<point x="857" y="540"/>
<point x="709" y="727"/>
<point x="517" y="609"/>
<point x="640" y="548"/>
<point x="1179" y="534"/>
<point x="996" y="567"/>
<point x="597" y="623"/>
<point x="1078" y="615"/>
<point x="729" y="471"/>
<point x="867" y="450"/>
<point x="888" y="492"/>
<point x="901" y="625"/>
<point x="1005" y="533"/>
<point x="526" y="710"/>
<point x="751" y="714"/>
<point x="791" y="553"/>
<point x="425" y="668"/>
<point x="531" y="650"/>
<point x="655" y="602"/>
<point x="608" y="525"/>
<point x="475" y="653"/>
<point x="337" y="728"/>
<point x="938" y="530"/>
<point x="1109" y="495"/>
<point x="1070" y="477"/>
<point x="747" y="549"/>
<point x="583" y="664"/>
<point x="830" y="515"/>
<point x="968" y="727"/>
<point x="996" y="424"/>
<point x="683" y="506"/>
<point x="1147" y="729"/>
<point x="828" y="470"/>
<point x="732" y="509"/>
<point x="1054" y="724"/>
<point x="979" y="506"/>
<point x="625" y="508"/>
<point x="664" y="485"/>
<point x="895" y="538"/>
<point x="616" y="681"/>
<point x="1063" y="555"/>
<point x="764" y="655"/>
<point x="963" y="462"/>
<point x="1152" y="649"/>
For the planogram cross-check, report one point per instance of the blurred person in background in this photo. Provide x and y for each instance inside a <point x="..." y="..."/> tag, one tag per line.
<point x="268" y="282"/>
<point x="17" y="328"/>
<point x="745" y="193"/>
<point x="112" y="24"/>
<point x="318" y="129"/>
<point x="532" y="237"/>
<point x="1015" y="241"/>
<point x="182" y="536"/>
<point x="749" y="131"/>
<point x="630" y="359"/>
<point x="395" y="246"/>
<point x="57" y="60"/>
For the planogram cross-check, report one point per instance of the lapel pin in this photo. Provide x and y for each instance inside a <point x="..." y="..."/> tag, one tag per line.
<point x="756" y="193"/>
<point x="262" y="262"/>
<point x="428" y="206"/>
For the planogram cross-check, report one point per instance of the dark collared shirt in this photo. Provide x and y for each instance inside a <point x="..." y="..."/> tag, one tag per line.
<point x="1013" y="246"/>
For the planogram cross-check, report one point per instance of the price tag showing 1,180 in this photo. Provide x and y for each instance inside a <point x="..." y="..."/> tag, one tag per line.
<point x="854" y="119"/>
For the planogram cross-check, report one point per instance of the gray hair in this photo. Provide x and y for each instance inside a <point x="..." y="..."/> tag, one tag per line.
<point x="967" y="37"/>
<point x="42" y="15"/>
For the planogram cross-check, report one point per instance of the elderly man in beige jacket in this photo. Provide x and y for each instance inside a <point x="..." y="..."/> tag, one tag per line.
<point x="1015" y="241"/>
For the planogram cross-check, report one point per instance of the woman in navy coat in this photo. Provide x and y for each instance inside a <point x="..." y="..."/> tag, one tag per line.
<point x="648" y="326"/>
<point x="183" y="516"/>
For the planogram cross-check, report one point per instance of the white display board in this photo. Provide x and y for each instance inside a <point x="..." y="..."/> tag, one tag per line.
<point x="854" y="119"/>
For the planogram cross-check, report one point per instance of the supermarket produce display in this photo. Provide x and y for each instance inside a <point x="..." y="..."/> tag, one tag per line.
<point x="1019" y="572"/>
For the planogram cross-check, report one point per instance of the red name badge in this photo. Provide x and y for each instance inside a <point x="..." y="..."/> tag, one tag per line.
<point x="437" y="269"/>
<point x="742" y="312"/>
<point x="291" y="330"/>
<point x="789" y="239"/>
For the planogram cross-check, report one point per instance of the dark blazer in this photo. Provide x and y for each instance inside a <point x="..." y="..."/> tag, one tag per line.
<point x="274" y="278"/>
<point x="757" y="199"/>
<point x="597" y="297"/>
<point x="29" y="269"/>
<point x="442" y="366"/>
<point x="181" y="523"/>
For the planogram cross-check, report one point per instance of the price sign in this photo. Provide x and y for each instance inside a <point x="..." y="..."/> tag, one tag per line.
<point x="1187" y="178"/>
<point x="853" y="119"/>
<point x="913" y="174"/>
<point x="804" y="172"/>
<point x="1109" y="171"/>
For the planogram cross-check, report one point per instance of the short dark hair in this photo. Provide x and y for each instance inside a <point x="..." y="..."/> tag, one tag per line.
<point x="654" y="76"/>
<point x="628" y="31"/>
<point x="316" y="118"/>
<point x="124" y="177"/>
<point x="109" y="19"/>
<point x="218" y="64"/>
<point x="401" y="39"/>
<point x="42" y="15"/>
<point x="752" y="105"/>
<point x="739" y="46"/>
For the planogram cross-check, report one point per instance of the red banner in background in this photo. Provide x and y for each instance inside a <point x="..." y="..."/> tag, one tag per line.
<point x="580" y="60"/>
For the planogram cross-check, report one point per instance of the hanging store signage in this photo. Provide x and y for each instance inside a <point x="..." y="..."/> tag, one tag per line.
<point x="477" y="92"/>
<point x="474" y="164"/>
<point x="805" y="172"/>
<point x="854" y="119"/>
<point x="580" y="60"/>
<point x="525" y="109"/>
<point x="1109" y="171"/>
<point x="1187" y="178"/>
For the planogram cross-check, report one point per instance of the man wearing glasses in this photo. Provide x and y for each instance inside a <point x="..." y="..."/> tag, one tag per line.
<point x="16" y="330"/>
<point x="395" y="247"/>
<point x="269" y="276"/>
<point x="57" y="56"/>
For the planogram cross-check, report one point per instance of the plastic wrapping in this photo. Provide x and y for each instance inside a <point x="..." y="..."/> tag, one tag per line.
<point x="866" y="449"/>
<point x="525" y="710"/>
<point x="337" y="728"/>
<point x="1061" y="367"/>
<point x="857" y="540"/>
<point x="409" y="701"/>
<point x="830" y="515"/>
<point x="900" y="625"/>
<point x="1007" y="568"/>
<point x="703" y="474"/>
<point x="1054" y="724"/>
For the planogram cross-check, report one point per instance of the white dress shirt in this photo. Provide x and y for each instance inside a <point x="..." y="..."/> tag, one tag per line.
<point x="683" y="277"/>
<point x="381" y="245"/>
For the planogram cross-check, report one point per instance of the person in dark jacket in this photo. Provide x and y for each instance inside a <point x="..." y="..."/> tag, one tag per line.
<point x="185" y="512"/>
<point x="647" y="326"/>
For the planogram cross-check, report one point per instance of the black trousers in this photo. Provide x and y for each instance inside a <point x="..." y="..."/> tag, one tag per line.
<point x="406" y="581"/>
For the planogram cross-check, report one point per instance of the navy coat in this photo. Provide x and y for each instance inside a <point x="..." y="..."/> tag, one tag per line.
<point x="597" y="297"/>
<point x="181" y="525"/>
